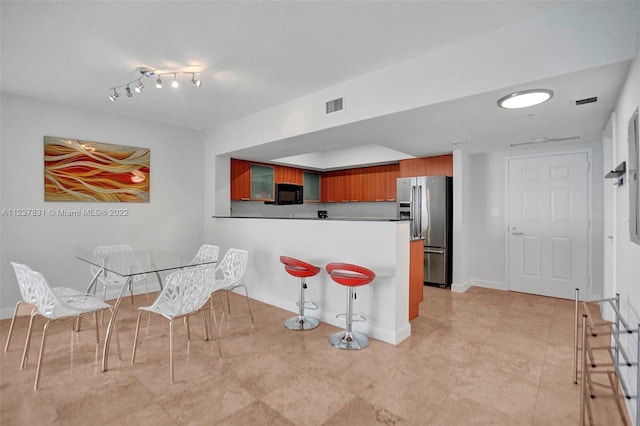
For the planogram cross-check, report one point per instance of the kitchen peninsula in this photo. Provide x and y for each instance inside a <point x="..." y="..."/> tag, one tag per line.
<point x="381" y="245"/>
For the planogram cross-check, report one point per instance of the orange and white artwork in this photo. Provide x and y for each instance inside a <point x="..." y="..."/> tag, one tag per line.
<point x="76" y="170"/>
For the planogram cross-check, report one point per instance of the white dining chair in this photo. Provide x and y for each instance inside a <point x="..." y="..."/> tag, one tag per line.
<point x="206" y="253"/>
<point x="229" y="273"/>
<point x="185" y="293"/>
<point x="120" y="257"/>
<point x="63" y="293"/>
<point x="36" y="291"/>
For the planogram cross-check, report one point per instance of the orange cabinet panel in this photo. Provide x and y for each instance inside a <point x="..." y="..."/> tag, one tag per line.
<point x="416" y="277"/>
<point x="428" y="166"/>
<point x="439" y="165"/>
<point x="327" y="187"/>
<point x="284" y="174"/>
<point x="391" y="174"/>
<point x="412" y="167"/>
<point x="240" y="180"/>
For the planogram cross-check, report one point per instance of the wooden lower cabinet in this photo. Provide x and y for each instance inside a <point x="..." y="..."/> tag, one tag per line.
<point x="416" y="277"/>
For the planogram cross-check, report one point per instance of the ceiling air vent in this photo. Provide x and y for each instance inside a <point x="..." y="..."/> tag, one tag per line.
<point x="587" y="100"/>
<point x="335" y="105"/>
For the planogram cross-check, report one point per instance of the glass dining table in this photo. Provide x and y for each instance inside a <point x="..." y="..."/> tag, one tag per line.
<point x="125" y="267"/>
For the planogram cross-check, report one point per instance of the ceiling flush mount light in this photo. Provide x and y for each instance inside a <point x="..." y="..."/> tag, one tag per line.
<point x="525" y="98"/>
<point x="148" y="73"/>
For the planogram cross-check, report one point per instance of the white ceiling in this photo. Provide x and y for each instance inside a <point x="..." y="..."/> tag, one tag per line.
<point x="256" y="55"/>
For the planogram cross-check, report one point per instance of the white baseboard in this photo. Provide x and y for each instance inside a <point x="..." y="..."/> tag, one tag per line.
<point x="460" y="288"/>
<point x="495" y="285"/>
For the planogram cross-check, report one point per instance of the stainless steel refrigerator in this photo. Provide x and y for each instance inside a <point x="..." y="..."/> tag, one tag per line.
<point x="427" y="202"/>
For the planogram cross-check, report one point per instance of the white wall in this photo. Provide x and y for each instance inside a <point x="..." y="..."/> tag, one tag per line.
<point x="572" y="38"/>
<point x="172" y="218"/>
<point x="382" y="246"/>
<point x="627" y="260"/>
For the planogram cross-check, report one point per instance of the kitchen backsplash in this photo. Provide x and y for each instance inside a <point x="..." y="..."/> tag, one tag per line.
<point x="334" y="210"/>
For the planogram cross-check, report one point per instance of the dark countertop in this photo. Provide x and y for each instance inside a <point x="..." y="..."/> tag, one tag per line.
<point x="352" y="219"/>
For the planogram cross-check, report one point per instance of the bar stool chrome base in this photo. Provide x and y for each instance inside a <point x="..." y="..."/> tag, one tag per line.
<point x="350" y="340"/>
<point x="301" y="323"/>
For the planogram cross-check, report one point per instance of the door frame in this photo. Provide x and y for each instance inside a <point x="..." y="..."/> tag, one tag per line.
<point x="552" y="153"/>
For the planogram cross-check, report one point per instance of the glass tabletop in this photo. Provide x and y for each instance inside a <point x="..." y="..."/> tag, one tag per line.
<point x="130" y="263"/>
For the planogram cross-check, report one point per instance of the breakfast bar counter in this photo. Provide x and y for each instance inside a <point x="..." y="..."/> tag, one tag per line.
<point x="381" y="245"/>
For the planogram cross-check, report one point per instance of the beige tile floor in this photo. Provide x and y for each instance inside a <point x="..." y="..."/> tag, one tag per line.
<point x="484" y="357"/>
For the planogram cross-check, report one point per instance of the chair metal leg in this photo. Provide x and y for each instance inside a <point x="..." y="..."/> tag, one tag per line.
<point x="27" y="343"/>
<point x="95" y="320"/>
<point x="246" y="293"/>
<point x="41" y="357"/>
<point x="117" y="333"/>
<point x="205" y="325"/>
<point x="213" y="314"/>
<point x="171" y="350"/>
<point x="13" y="320"/>
<point x="135" y="338"/>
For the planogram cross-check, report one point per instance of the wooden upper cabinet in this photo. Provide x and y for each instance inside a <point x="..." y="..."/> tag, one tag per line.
<point x="412" y="167"/>
<point x="284" y="174"/>
<point x="376" y="183"/>
<point x="327" y="187"/>
<point x="370" y="184"/>
<point x="439" y="165"/>
<point x="428" y="166"/>
<point x="240" y="180"/>
<point x="392" y="173"/>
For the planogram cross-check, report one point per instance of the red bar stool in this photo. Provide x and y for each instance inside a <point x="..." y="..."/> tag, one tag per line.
<point x="302" y="270"/>
<point x="351" y="276"/>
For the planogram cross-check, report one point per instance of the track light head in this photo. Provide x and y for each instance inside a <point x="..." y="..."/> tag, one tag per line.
<point x="114" y="96"/>
<point x="139" y="87"/>
<point x="174" y="83"/>
<point x="198" y="83"/>
<point x="159" y="83"/>
<point x="128" y="91"/>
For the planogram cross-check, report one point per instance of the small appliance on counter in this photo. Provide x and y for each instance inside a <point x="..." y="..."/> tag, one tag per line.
<point x="322" y="214"/>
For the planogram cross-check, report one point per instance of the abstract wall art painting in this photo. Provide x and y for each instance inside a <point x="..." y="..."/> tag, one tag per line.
<point x="76" y="170"/>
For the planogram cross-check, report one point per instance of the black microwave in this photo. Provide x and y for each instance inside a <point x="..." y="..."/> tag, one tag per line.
<point x="288" y="193"/>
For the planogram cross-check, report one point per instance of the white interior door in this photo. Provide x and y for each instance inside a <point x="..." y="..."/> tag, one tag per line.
<point x="548" y="224"/>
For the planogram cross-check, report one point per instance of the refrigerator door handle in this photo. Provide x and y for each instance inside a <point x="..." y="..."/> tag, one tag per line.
<point x="433" y="250"/>
<point x="419" y="212"/>
<point x="414" y="223"/>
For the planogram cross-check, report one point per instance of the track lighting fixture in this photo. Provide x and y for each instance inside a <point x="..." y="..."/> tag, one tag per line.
<point x="138" y="86"/>
<point x="114" y="96"/>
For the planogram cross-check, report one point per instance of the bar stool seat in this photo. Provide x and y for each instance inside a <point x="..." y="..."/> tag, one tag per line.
<point x="351" y="276"/>
<point x="302" y="270"/>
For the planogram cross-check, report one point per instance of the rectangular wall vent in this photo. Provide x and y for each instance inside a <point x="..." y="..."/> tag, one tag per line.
<point x="335" y="105"/>
<point x="587" y="100"/>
